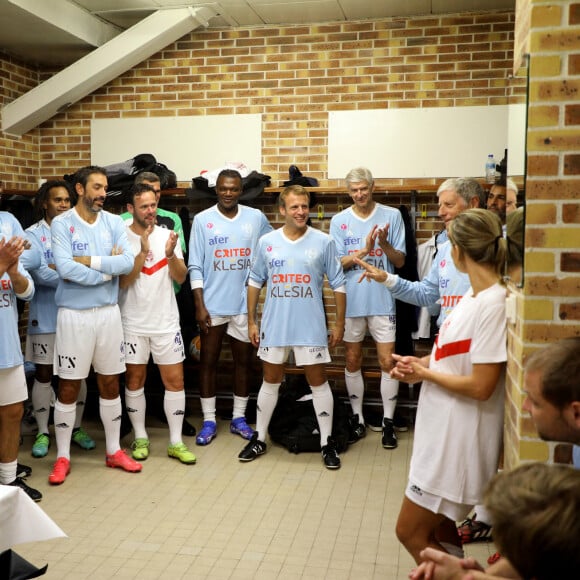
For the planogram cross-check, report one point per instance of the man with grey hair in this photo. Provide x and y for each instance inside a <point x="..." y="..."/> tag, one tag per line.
<point x="374" y="232"/>
<point x="444" y="284"/>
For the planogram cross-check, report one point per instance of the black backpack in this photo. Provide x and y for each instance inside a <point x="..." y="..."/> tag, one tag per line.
<point x="294" y="425"/>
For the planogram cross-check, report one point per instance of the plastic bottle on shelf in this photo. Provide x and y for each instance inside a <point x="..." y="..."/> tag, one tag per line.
<point x="490" y="169"/>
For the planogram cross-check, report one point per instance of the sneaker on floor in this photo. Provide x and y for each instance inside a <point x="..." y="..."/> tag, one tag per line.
<point x="254" y="448"/>
<point x="356" y="430"/>
<point x="32" y="493"/>
<point x="41" y="445"/>
<point x="240" y="427"/>
<point x="83" y="439"/>
<point x="181" y="452"/>
<point x="123" y="461"/>
<point x="140" y="449"/>
<point x="60" y="470"/>
<point x="473" y="530"/>
<point x="330" y="455"/>
<point x="207" y="434"/>
<point x="23" y="471"/>
<point x="389" y="438"/>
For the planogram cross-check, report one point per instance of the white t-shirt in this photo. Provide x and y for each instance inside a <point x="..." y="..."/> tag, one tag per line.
<point x="149" y="306"/>
<point x="458" y="439"/>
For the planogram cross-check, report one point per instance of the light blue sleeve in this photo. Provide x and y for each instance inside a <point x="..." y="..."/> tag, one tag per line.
<point x="334" y="271"/>
<point x="196" y="252"/>
<point x="42" y="274"/>
<point x="259" y="269"/>
<point x="122" y="263"/>
<point x="422" y="293"/>
<point x="31" y="259"/>
<point x="66" y="267"/>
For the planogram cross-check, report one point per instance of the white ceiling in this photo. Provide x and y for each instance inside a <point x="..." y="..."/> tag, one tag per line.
<point x="59" y="32"/>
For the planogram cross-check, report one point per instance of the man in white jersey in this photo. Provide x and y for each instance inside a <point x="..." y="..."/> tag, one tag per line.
<point x="374" y="232"/>
<point x="292" y="261"/>
<point x="91" y="251"/>
<point x="171" y="221"/>
<point x="151" y="322"/>
<point x="15" y="282"/>
<point x="52" y="199"/>
<point x="221" y="247"/>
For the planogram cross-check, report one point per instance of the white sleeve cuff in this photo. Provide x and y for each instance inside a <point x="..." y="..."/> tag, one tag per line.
<point x="391" y="280"/>
<point x="96" y="263"/>
<point x="196" y="284"/>
<point x="341" y="289"/>
<point x="107" y="277"/>
<point x="254" y="284"/>
<point x="27" y="294"/>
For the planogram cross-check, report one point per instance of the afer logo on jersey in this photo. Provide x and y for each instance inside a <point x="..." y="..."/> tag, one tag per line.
<point x="352" y="241"/>
<point x="78" y="246"/>
<point x="218" y="240"/>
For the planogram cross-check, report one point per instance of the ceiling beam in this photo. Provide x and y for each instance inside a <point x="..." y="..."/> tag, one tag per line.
<point x="71" y="19"/>
<point x="101" y="66"/>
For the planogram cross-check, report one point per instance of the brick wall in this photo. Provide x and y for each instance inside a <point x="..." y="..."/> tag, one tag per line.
<point x="548" y="306"/>
<point x="19" y="161"/>
<point x="294" y="76"/>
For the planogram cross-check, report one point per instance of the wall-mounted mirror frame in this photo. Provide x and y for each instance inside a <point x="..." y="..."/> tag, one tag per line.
<point x="517" y="162"/>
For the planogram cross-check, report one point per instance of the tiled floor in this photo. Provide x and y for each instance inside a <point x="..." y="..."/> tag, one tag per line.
<point x="282" y="516"/>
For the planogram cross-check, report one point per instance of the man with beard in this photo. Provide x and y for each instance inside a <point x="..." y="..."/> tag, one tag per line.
<point x="151" y="322"/>
<point x="91" y="251"/>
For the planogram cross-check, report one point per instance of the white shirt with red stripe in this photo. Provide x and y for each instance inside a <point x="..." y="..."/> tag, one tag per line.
<point x="458" y="439"/>
<point x="148" y="306"/>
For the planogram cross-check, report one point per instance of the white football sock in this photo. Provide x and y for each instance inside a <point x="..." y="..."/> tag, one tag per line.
<point x="174" y="407"/>
<point x="267" y="399"/>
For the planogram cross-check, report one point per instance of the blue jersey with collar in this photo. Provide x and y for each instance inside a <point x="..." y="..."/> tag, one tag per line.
<point x="10" y="349"/>
<point x="349" y="232"/>
<point x="221" y="250"/>
<point x="444" y="285"/>
<point x="294" y="270"/>
<point x="82" y="287"/>
<point x="43" y="310"/>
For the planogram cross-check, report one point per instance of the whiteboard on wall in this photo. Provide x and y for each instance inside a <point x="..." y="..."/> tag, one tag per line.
<point x="417" y="143"/>
<point x="187" y="145"/>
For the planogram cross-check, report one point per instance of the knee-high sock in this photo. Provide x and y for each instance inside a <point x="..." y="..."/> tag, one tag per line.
<point x="110" y="411"/>
<point x="240" y="405"/>
<point x="208" y="408"/>
<point x="64" y="420"/>
<point x="174" y="407"/>
<point x="8" y="471"/>
<point x="389" y="392"/>
<point x="136" y="406"/>
<point x="81" y="401"/>
<point x="324" y="408"/>
<point x="355" y="387"/>
<point x="41" y="397"/>
<point x="267" y="399"/>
